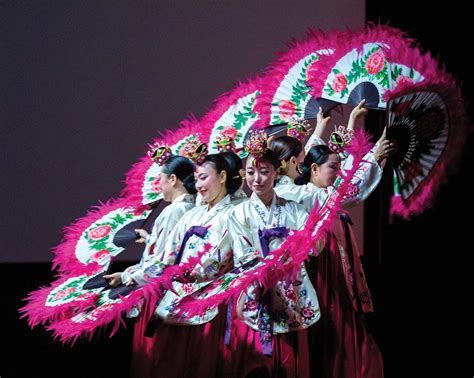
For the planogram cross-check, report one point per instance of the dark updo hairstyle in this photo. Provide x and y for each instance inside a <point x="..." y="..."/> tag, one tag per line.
<point x="285" y="147"/>
<point x="269" y="157"/>
<point x="183" y="168"/>
<point x="235" y="164"/>
<point x="220" y="164"/>
<point x="317" y="155"/>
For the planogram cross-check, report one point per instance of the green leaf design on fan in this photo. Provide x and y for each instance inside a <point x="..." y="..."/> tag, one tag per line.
<point x="152" y="196"/>
<point x="357" y="72"/>
<point x="72" y="289"/>
<point x="396" y="72"/>
<point x="240" y="119"/>
<point x="299" y="92"/>
<point x="114" y="223"/>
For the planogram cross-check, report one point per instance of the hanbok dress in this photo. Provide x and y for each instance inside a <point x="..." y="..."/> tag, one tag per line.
<point x="269" y="329"/>
<point x="189" y="347"/>
<point x="340" y="345"/>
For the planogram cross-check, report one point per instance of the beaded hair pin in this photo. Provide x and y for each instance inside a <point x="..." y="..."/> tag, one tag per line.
<point x="339" y="138"/>
<point x="194" y="149"/>
<point x="256" y="145"/>
<point x="225" y="143"/>
<point x="298" y="129"/>
<point x="159" y="153"/>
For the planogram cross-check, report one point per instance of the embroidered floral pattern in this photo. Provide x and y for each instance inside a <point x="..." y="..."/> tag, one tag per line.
<point x="96" y="243"/>
<point x="369" y="65"/>
<point x="292" y="105"/>
<point x="236" y="122"/>
<point x="69" y="291"/>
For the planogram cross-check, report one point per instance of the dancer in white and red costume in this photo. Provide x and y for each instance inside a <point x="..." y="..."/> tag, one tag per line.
<point x="340" y="344"/>
<point x="194" y="345"/>
<point x="264" y="340"/>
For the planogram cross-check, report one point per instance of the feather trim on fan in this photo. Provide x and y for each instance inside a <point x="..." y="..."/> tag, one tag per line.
<point x="437" y="128"/>
<point x="233" y="114"/>
<point x="88" y="243"/>
<point x="142" y="180"/>
<point x="379" y="55"/>
<point x="61" y="299"/>
<point x="284" y="89"/>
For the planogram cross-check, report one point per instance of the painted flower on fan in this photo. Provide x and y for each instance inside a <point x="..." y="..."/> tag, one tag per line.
<point x="234" y="283"/>
<point x="64" y="293"/>
<point x="230" y="132"/>
<point x="402" y="79"/>
<point x="194" y="149"/>
<point x="99" y="232"/>
<point x="339" y="83"/>
<point x="100" y="255"/>
<point x="339" y="138"/>
<point x="375" y="62"/>
<point x="155" y="185"/>
<point x="287" y="109"/>
<point x="298" y="128"/>
<point x="159" y="153"/>
<point x="103" y="308"/>
<point x="85" y="296"/>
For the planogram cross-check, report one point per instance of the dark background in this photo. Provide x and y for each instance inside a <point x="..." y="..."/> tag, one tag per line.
<point x="414" y="268"/>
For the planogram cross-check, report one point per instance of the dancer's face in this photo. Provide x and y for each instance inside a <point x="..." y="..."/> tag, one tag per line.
<point x="209" y="183"/>
<point x="260" y="179"/>
<point x="166" y="185"/>
<point x="294" y="165"/>
<point x="325" y="174"/>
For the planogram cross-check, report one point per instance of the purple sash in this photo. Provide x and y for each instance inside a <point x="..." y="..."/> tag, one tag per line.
<point x="265" y="322"/>
<point x="193" y="230"/>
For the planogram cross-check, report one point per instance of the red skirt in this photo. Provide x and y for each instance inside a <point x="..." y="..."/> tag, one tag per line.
<point x="180" y="351"/>
<point x="340" y="344"/>
<point x="289" y="355"/>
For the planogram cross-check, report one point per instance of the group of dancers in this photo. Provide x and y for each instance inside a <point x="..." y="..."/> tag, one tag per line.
<point x="312" y="325"/>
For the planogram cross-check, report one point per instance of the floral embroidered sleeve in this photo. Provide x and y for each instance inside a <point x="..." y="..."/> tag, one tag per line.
<point x="365" y="179"/>
<point x="151" y="265"/>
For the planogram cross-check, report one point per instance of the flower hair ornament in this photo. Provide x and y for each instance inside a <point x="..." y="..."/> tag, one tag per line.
<point x="194" y="149"/>
<point x="256" y="145"/>
<point x="225" y="143"/>
<point x="298" y="129"/>
<point x="339" y="138"/>
<point x="159" y="153"/>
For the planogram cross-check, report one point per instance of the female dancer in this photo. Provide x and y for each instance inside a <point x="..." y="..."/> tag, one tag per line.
<point x="235" y="165"/>
<point x="340" y="345"/>
<point x="258" y="226"/>
<point x="290" y="151"/>
<point x="193" y="346"/>
<point x="177" y="185"/>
